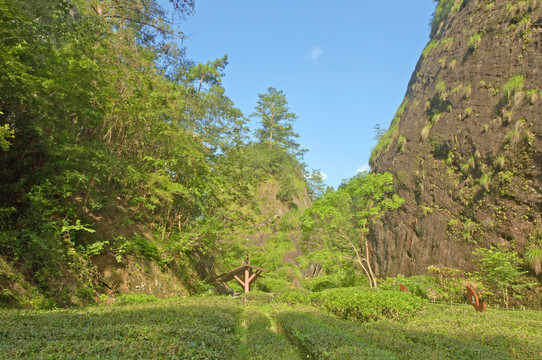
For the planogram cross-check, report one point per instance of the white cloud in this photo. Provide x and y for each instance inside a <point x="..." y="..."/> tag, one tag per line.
<point x="363" y="168"/>
<point x="324" y="175"/>
<point x="316" y="52"/>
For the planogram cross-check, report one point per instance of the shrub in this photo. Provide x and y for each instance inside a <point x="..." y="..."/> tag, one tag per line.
<point x="442" y="11"/>
<point x="320" y="283"/>
<point x="320" y="338"/>
<point x="499" y="267"/>
<point x="387" y="137"/>
<point x="474" y="41"/>
<point x="514" y="85"/>
<point x="514" y="136"/>
<point x="295" y="297"/>
<point x="425" y="130"/>
<point x="418" y="285"/>
<point x="499" y="162"/>
<point x="362" y="305"/>
<point x="258" y="296"/>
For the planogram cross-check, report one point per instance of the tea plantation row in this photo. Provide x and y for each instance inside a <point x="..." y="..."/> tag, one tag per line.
<point x="298" y="327"/>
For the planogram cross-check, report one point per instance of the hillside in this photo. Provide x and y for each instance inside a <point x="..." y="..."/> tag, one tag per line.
<point x="465" y="145"/>
<point x="124" y="167"/>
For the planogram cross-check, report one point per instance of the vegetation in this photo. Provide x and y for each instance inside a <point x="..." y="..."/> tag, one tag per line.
<point x="105" y="122"/>
<point x="385" y="140"/>
<point x="511" y="88"/>
<point x="443" y="9"/>
<point x="223" y="328"/>
<point x="499" y="267"/>
<point x="474" y="41"/>
<point x="341" y="219"/>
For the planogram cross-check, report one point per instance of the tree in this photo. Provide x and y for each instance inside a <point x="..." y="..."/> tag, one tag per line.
<point x="499" y="267"/>
<point x="316" y="185"/>
<point x="342" y="218"/>
<point x="276" y="119"/>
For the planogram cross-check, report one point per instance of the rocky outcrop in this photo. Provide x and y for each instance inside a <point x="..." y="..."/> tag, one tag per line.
<point x="465" y="147"/>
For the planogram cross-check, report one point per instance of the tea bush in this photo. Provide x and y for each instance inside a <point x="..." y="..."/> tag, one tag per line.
<point x="263" y="342"/>
<point x="362" y="305"/>
<point x="320" y="340"/>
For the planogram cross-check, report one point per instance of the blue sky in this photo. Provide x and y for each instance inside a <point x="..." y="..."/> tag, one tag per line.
<point x="343" y="65"/>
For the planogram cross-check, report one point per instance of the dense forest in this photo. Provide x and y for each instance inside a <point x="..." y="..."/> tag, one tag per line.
<point x="114" y="142"/>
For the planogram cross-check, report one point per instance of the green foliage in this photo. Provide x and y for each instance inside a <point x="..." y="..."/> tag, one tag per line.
<point x="430" y="46"/>
<point x="386" y="139"/>
<point x="200" y="328"/>
<point x="224" y="328"/>
<point x="316" y="185"/>
<point x="425" y="131"/>
<point x="5" y="134"/>
<point x="533" y="253"/>
<point x="322" y="282"/>
<point x="513" y="86"/>
<point x="320" y="340"/>
<point x="263" y="342"/>
<point x="276" y="120"/>
<point x="485" y="181"/>
<point x="499" y="267"/>
<point x="133" y="298"/>
<point x="443" y="9"/>
<point x="474" y="41"/>
<point x="422" y="286"/>
<point x="499" y="162"/>
<point x="340" y="220"/>
<point x="363" y="305"/>
<point x="513" y="137"/>
<point x="292" y="296"/>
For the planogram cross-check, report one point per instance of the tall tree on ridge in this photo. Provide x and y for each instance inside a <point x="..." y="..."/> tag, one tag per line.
<point x="277" y="120"/>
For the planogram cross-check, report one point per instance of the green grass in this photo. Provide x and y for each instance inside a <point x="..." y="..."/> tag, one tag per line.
<point x="387" y="138"/>
<point x="225" y="328"/>
<point x="512" y="86"/>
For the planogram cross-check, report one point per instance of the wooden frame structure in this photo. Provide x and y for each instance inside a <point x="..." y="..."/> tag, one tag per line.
<point x="245" y="275"/>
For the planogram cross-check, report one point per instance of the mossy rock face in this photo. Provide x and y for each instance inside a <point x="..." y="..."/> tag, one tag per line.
<point x="488" y="108"/>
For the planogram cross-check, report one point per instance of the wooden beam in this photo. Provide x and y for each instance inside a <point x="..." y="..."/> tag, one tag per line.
<point x="241" y="282"/>
<point x="247" y="282"/>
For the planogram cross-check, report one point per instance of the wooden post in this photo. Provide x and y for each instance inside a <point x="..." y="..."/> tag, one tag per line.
<point x="247" y="280"/>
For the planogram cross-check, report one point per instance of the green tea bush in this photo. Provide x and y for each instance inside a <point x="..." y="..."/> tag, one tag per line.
<point x="363" y="305"/>
<point x="196" y="328"/>
<point x="263" y="342"/>
<point x="295" y="297"/>
<point x="258" y="296"/>
<point x="135" y="298"/>
<point x="320" y="340"/>
<point x="271" y="285"/>
<point x="320" y="283"/>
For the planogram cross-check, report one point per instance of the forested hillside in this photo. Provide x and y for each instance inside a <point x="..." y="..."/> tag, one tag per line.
<point x="123" y="164"/>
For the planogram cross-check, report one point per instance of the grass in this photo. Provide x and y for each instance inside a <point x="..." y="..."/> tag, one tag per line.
<point x="512" y="86"/>
<point x="387" y="138"/>
<point x="224" y="328"/>
<point x="474" y="41"/>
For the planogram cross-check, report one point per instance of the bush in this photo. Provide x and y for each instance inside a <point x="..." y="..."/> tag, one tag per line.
<point x="296" y="297"/>
<point x="363" y="305"/>
<point x="418" y="285"/>
<point x="321" y="340"/>
<point x="258" y="296"/>
<point x="320" y="283"/>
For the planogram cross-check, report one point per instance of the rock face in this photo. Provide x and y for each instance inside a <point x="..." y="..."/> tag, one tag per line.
<point x="465" y="146"/>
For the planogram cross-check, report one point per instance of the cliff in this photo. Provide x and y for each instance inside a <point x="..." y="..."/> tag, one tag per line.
<point x="465" y="145"/>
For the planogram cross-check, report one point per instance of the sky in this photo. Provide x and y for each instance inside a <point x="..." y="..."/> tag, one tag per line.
<point x="343" y="65"/>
